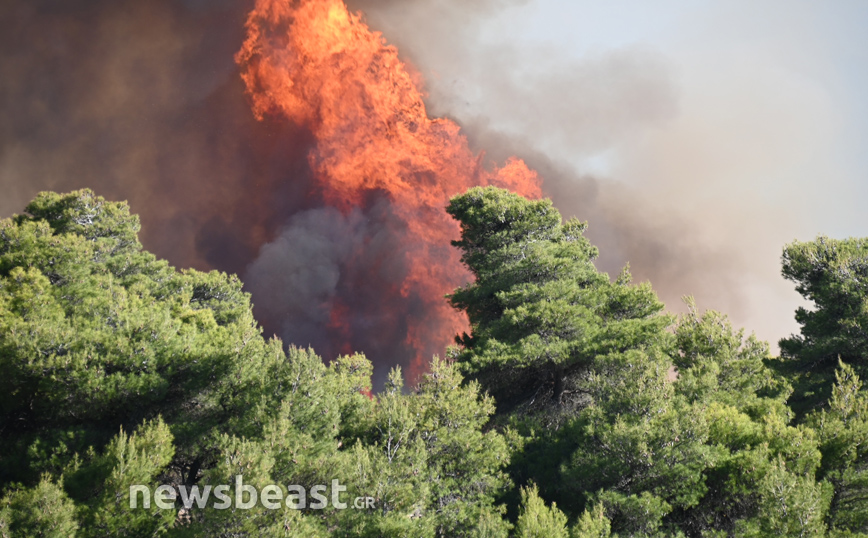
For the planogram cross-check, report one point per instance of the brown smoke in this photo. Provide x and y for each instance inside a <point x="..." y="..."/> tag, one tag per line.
<point x="142" y="101"/>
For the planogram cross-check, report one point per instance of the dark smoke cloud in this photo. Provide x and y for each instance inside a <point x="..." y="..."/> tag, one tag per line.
<point x="141" y="101"/>
<point x="316" y="266"/>
<point x="296" y="277"/>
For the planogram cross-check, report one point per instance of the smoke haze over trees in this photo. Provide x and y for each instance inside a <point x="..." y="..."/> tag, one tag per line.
<point x="142" y="100"/>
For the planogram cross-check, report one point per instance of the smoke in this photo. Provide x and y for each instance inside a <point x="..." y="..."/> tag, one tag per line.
<point x="660" y="244"/>
<point x="664" y="167"/>
<point x="376" y="150"/>
<point x="315" y="286"/>
<point x="295" y="277"/>
<point x="143" y="101"/>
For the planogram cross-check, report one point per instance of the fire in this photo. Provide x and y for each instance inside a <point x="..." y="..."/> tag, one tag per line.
<point x="320" y="66"/>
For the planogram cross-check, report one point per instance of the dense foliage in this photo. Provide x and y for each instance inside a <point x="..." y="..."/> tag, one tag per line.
<point x="833" y="275"/>
<point x="574" y="408"/>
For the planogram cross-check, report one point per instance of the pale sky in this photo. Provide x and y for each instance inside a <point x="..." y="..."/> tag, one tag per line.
<point x="802" y="64"/>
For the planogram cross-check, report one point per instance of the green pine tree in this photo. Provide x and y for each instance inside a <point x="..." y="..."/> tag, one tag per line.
<point x="842" y="428"/>
<point x="43" y="511"/>
<point x="833" y="275"/>
<point x="538" y="520"/>
<point x="539" y="310"/>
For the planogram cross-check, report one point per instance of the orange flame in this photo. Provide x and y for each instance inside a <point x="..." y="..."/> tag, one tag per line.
<point x="322" y="67"/>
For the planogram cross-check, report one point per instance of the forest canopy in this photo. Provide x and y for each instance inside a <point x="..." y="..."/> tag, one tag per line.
<point x="574" y="407"/>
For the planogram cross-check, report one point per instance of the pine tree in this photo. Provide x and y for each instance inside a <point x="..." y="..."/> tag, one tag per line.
<point x="833" y="275"/>
<point x="585" y="359"/>
<point x="96" y="334"/>
<point x="539" y="310"/>
<point x="842" y="428"/>
<point x="762" y="477"/>
<point x="43" y="511"/>
<point x="538" y="520"/>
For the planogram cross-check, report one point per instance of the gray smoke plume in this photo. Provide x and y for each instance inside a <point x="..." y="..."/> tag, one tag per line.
<point x="295" y="277"/>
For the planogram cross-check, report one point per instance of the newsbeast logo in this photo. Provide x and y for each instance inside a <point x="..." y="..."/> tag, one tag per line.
<point x="272" y="497"/>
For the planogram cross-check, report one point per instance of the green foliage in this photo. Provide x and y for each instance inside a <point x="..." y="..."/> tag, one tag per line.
<point x="539" y="310"/>
<point x="688" y="431"/>
<point x="641" y="449"/>
<point x="102" y="485"/>
<point x="843" y="432"/>
<point x="538" y="520"/>
<point x="427" y="461"/>
<point x="421" y="455"/>
<point x="43" y="511"/>
<point x="593" y="523"/>
<point x="96" y="334"/>
<point x="717" y="363"/>
<point x="632" y="423"/>
<point x="833" y="275"/>
<point x="580" y="356"/>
